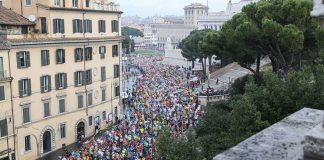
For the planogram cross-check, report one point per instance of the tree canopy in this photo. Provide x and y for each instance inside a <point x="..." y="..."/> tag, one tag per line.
<point x="132" y="32"/>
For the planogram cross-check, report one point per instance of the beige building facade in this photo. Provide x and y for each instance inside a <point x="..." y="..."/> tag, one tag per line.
<point x="65" y="72"/>
<point x="192" y="13"/>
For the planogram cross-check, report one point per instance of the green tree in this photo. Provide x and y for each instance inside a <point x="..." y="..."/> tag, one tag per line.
<point x="132" y="32"/>
<point x="190" y="47"/>
<point x="282" y="30"/>
<point x="164" y="149"/>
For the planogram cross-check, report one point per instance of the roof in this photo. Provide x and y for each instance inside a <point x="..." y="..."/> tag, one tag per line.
<point x="10" y="17"/>
<point x="282" y="140"/>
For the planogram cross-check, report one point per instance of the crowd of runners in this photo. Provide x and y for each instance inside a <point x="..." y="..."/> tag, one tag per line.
<point x="160" y="98"/>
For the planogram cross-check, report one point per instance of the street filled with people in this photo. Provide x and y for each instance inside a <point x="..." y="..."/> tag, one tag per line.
<point x="160" y="98"/>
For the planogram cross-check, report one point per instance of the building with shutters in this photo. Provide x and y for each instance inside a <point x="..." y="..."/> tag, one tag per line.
<point x="64" y="57"/>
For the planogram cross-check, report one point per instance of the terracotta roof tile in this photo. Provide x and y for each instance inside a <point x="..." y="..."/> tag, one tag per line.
<point x="10" y="17"/>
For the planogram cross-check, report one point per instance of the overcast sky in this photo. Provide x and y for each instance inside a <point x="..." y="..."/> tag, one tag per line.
<point x="144" y="8"/>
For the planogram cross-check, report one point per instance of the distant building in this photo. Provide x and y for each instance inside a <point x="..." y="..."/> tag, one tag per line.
<point x="318" y="10"/>
<point x="217" y="19"/>
<point x="176" y="32"/>
<point x="192" y="12"/>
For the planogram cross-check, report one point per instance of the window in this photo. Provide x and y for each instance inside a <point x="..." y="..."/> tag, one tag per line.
<point x="2" y="93"/>
<point x="27" y="143"/>
<point x="114" y="26"/>
<point x="24" y="87"/>
<point x="61" y="81"/>
<point x="87" y="3"/>
<point x="88" y="53"/>
<point x="3" y="128"/>
<point x="117" y="91"/>
<point x="61" y="105"/>
<point x="62" y="130"/>
<point x="26" y="115"/>
<point x="60" y="56"/>
<point x="90" y="120"/>
<point x="116" y="71"/>
<point x="77" y="26"/>
<point x="104" y="116"/>
<point x="28" y="2"/>
<point x="102" y="26"/>
<point x="58" y="26"/>
<point x="102" y="51"/>
<point x="115" y="50"/>
<point x="89" y="99"/>
<point x="23" y="59"/>
<point x="43" y="25"/>
<point x="1" y="3"/>
<point x="78" y="54"/>
<point x="2" y="74"/>
<point x="88" y="76"/>
<point x="45" y="57"/>
<point x="103" y="74"/>
<point x="80" y="101"/>
<point x="47" y="111"/>
<point x="57" y="3"/>
<point x="78" y="78"/>
<point x="75" y="3"/>
<point x="45" y="83"/>
<point x="87" y="24"/>
<point x="103" y="94"/>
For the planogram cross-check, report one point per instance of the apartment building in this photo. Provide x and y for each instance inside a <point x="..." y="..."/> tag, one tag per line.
<point x="65" y="66"/>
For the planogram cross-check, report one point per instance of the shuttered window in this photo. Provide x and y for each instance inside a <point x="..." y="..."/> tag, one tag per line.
<point x="61" y="105"/>
<point x="89" y="99"/>
<point x="26" y="115"/>
<point x="115" y="50"/>
<point x="24" y="87"/>
<point x="45" y="83"/>
<point x="104" y="116"/>
<point x="90" y="120"/>
<point x="47" y="111"/>
<point x="87" y="24"/>
<point x="103" y="95"/>
<point x="77" y="26"/>
<point x="116" y="71"/>
<point x="61" y="81"/>
<point x="23" y="59"/>
<point x="103" y="74"/>
<point x="102" y="51"/>
<point x="2" y="93"/>
<point x="63" y="130"/>
<point x="45" y="57"/>
<point x="102" y="26"/>
<point x="88" y="53"/>
<point x="78" y="55"/>
<point x="3" y="128"/>
<point x="78" y="78"/>
<point x="60" y="56"/>
<point x="88" y="76"/>
<point x="58" y="26"/>
<point x="117" y="91"/>
<point x="114" y="26"/>
<point x="27" y="143"/>
<point x="80" y="101"/>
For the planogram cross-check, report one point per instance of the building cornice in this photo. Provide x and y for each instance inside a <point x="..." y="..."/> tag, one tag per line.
<point x="77" y="9"/>
<point x="16" y="43"/>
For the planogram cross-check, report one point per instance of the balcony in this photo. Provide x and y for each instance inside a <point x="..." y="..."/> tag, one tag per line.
<point x="4" y="76"/>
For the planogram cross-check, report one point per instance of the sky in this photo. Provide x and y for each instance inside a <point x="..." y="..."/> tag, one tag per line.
<point x="145" y="8"/>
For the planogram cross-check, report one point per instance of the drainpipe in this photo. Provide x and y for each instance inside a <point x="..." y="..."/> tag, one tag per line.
<point x="84" y="65"/>
<point x="21" y="7"/>
<point x="119" y="30"/>
<point x="11" y="103"/>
